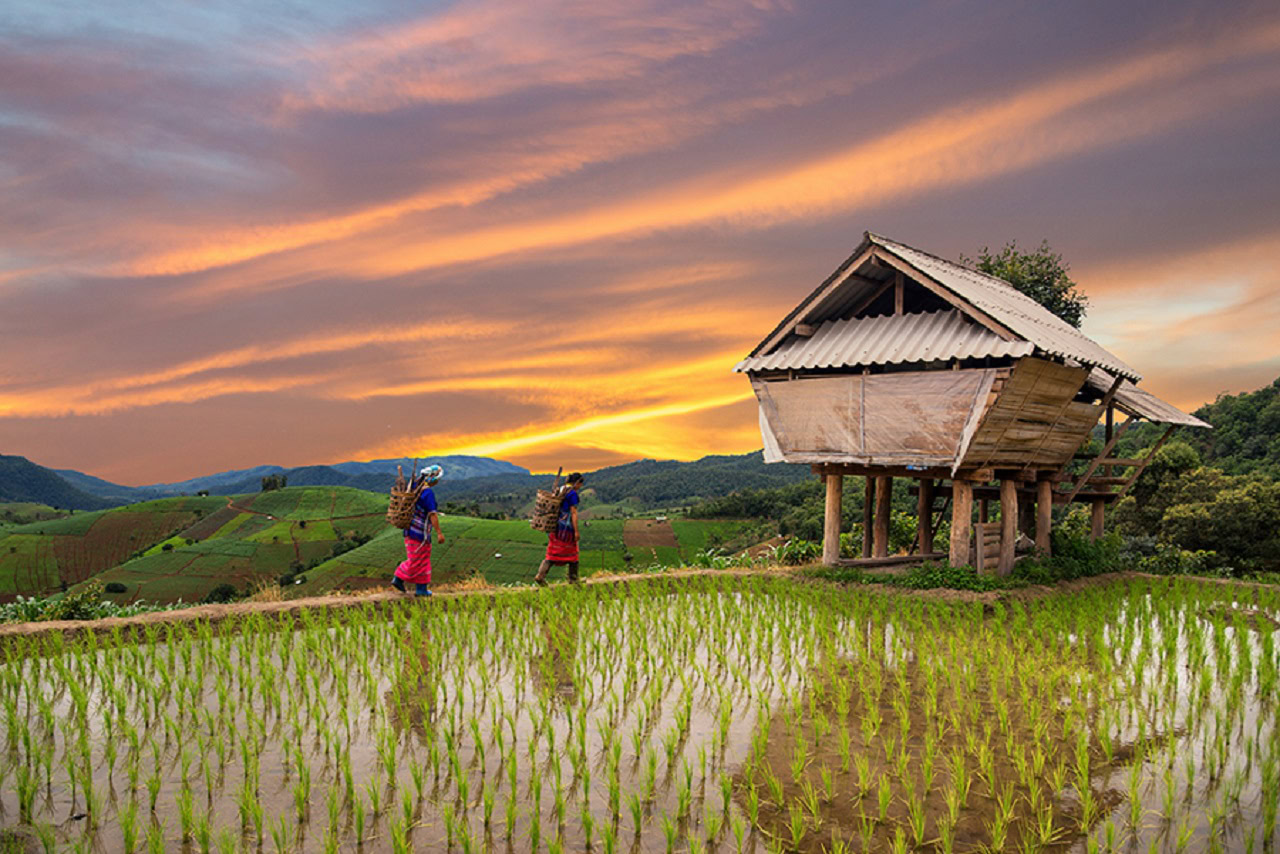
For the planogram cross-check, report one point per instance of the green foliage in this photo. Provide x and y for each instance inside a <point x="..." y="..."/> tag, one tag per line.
<point x="222" y="593"/>
<point x="81" y="607"/>
<point x="1195" y="508"/>
<point x="1246" y="432"/>
<point x="1040" y="274"/>
<point x="796" y="551"/>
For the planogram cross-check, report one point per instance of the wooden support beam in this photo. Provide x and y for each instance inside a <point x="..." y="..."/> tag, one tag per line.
<point x="1142" y="465"/>
<point x="868" y="516"/>
<point x="884" y="492"/>
<point x="892" y="560"/>
<point x="924" y="517"/>
<point x="980" y="547"/>
<point x="1044" y="516"/>
<point x="831" y="520"/>
<point x="984" y="510"/>
<point x="1027" y="493"/>
<point x="1093" y="466"/>
<point x="1096" y="518"/>
<point x="961" y="521"/>
<point x="1008" y="524"/>
<point x="865" y="303"/>
<point x="863" y="470"/>
<point x="897" y="292"/>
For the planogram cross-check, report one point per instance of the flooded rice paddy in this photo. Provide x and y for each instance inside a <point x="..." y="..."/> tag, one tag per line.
<point x="715" y="713"/>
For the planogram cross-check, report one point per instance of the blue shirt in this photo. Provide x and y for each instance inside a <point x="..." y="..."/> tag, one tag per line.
<point x="426" y="505"/>
<point x="564" y="524"/>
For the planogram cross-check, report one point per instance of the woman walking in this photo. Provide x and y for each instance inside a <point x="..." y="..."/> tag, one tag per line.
<point x="416" y="568"/>
<point x="562" y="547"/>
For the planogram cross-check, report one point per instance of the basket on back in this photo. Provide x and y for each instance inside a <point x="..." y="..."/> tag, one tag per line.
<point x="404" y="496"/>
<point x="546" y="507"/>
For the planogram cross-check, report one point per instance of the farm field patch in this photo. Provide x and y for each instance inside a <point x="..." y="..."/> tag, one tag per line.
<point x="713" y="713"/>
<point x="41" y="557"/>
<point x="247" y="547"/>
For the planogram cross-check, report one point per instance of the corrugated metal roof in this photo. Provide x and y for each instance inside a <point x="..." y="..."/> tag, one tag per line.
<point x="1009" y="307"/>
<point x="889" y="339"/>
<point x="1143" y="403"/>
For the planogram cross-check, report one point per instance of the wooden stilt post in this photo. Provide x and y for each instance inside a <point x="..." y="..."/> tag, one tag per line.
<point x="1008" y="523"/>
<point x="1044" y="515"/>
<point x="961" y="521"/>
<point x="884" y="491"/>
<point x="868" y="515"/>
<point x="924" y="517"/>
<point x="1096" y="518"/>
<point x="831" y="521"/>
<point x="984" y="510"/>
<point x="980" y="547"/>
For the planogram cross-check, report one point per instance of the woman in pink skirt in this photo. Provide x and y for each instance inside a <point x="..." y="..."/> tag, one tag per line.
<point x="416" y="568"/>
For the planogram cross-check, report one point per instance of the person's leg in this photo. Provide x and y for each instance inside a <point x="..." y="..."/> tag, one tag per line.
<point x="541" y="577"/>
<point x="422" y="590"/>
<point x="403" y="568"/>
<point x="573" y="572"/>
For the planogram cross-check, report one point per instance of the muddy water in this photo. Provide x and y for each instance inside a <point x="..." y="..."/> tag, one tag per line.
<point x="543" y="707"/>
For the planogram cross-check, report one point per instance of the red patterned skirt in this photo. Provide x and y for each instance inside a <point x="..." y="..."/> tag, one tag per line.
<point x="416" y="568"/>
<point x="562" y="551"/>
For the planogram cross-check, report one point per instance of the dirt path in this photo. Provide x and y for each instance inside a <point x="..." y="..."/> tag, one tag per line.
<point x="220" y="613"/>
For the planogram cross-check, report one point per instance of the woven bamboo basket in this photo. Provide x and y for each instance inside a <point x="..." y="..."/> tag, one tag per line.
<point x="546" y="507"/>
<point x="404" y="495"/>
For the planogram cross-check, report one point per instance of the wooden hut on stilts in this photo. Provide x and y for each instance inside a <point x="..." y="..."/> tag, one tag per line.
<point x="903" y="364"/>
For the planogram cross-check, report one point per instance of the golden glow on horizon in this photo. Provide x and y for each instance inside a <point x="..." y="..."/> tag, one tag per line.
<point x="594" y="431"/>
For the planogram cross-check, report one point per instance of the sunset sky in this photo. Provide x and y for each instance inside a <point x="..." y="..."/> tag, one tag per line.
<point x="305" y="232"/>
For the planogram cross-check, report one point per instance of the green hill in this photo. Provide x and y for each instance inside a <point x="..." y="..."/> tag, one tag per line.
<point x="248" y="539"/>
<point x="23" y="481"/>
<point x="47" y="556"/>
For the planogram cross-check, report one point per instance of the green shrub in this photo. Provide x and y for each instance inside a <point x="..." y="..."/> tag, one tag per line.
<point x="222" y="593"/>
<point x="796" y="551"/>
<point x="115" y="587"/>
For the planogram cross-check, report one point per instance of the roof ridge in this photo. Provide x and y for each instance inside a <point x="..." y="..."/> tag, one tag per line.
<point x="1019" y="295"/>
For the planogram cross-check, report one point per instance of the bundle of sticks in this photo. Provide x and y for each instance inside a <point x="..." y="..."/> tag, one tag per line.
<point x="546" y="507"/>
<point x="404" y="495"/>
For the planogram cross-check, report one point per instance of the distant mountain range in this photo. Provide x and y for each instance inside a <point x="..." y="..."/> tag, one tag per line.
<point x="23" y="480"/>
<point x="648" y="483"/>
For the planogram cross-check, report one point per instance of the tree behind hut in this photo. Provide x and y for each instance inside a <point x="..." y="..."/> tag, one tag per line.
<point x="1041" y="275"/>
